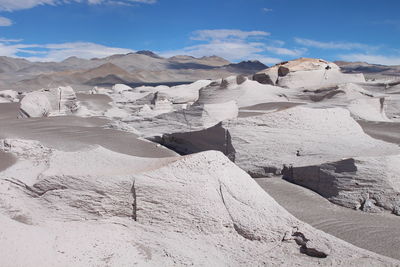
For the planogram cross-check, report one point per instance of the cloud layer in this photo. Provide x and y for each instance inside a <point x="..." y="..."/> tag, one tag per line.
<point x="12" y="5"/>
<point x="57" y="52"/>
<point x="236" y="45"/>
<point x="4" y="22"/>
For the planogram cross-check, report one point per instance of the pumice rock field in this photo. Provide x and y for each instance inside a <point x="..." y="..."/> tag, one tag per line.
<point x="297" y="164"/>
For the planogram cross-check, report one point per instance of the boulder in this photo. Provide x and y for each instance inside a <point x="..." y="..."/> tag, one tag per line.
<point x="268" y="76"/>
<point x="35" y="104"/>
<point x="49" y="102"/>
<point x="8" y="96"/>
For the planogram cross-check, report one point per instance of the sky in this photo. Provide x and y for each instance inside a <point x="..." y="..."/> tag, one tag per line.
<point x="266" y="30"/>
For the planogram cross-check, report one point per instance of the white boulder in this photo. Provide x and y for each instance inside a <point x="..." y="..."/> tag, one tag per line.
<point x="8" y="96"/>
<point x="35" y="104"/>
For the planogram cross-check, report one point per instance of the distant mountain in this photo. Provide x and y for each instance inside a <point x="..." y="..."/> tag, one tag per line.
<point x="246" y="67"/>
<point x="148" y="53"/>
<point x="370" y="70"/>
<point x="133" y="68"/>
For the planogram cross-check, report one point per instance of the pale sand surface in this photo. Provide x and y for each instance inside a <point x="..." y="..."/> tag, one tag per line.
<point x="262" y="108"/>
<point x="70" y="133"/>
<point x="6" y="160"/>
<point x="375" y="232"/>
<point x="386" y="131"/>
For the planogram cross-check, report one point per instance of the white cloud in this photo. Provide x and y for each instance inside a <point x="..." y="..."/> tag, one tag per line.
<point x="269" y="60"/>
<point x="232" y="51"/>
<point x="333" y="45"/>
<point x="5" y="40"/>
<point x="224" y="34"/>
<point x="11" y="5"/>
<point x="373" y="59"/>
<point x="236" y="45"/>
<point x="5" y="22"/>
<point x="267" y="10"/>
<point x="285" y="51"/>
<point x="59" y="52"/>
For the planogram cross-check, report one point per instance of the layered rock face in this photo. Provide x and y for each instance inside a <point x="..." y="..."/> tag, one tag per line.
<point x="373" y="182"/>
<point x="306" y="73"/>
<point x="299" y="136"/>
<point x="214" y="138"/>
<point x="119" y="210"/>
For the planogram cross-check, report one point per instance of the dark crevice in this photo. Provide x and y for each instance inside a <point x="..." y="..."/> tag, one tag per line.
<point x="134" y="204"/>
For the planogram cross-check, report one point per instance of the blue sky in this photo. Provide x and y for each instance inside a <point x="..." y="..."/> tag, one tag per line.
<point x="267" y="30"/>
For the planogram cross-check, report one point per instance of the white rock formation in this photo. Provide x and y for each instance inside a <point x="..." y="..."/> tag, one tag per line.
<point x="306" y="73"/>
<point x="35" y="104"/>
<point x="100" y="208"/>
<point x="361" y="103"/>
<point x="63" y="100"/>
<point x="241" y="90"/>
<point x="51" y="102"/>
<point x="264" y="143"/>
<point x="371" y="109"/>
<point x="8" y="96"/>
<point x="179" y="94"/>
<point x="371" y="184"/>
<point x="119" y="88"/>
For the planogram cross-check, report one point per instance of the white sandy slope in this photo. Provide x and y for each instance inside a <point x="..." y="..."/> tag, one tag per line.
<point x="57" y="209"/>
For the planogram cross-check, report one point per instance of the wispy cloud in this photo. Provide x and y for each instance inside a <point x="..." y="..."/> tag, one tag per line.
<point x="373" y="59"/>
<point x="285" y="51"/>
<point x="58" y="52"/>
<point x="12" y="5"/>
<point x="333" y="45"/>
<point x="267" y="10"/>
<point x="233" y="51"/>
<point x="225" y="34"/>
<point x="5" y="40"/>
<point x="234" y="45"/>
<point x="4" y="22"/>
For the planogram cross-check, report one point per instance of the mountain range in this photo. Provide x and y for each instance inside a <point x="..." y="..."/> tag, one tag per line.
<point x="142" y="67"/>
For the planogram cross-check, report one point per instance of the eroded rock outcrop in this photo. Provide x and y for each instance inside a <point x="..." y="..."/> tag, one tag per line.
<point x="371" y="184"/>
<point x="214" y="138"/>
<point x="306" y="73"/>
<point x="300" y="136"/>
<point x="49" y="102"/>
<point x="9" y="96"/>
